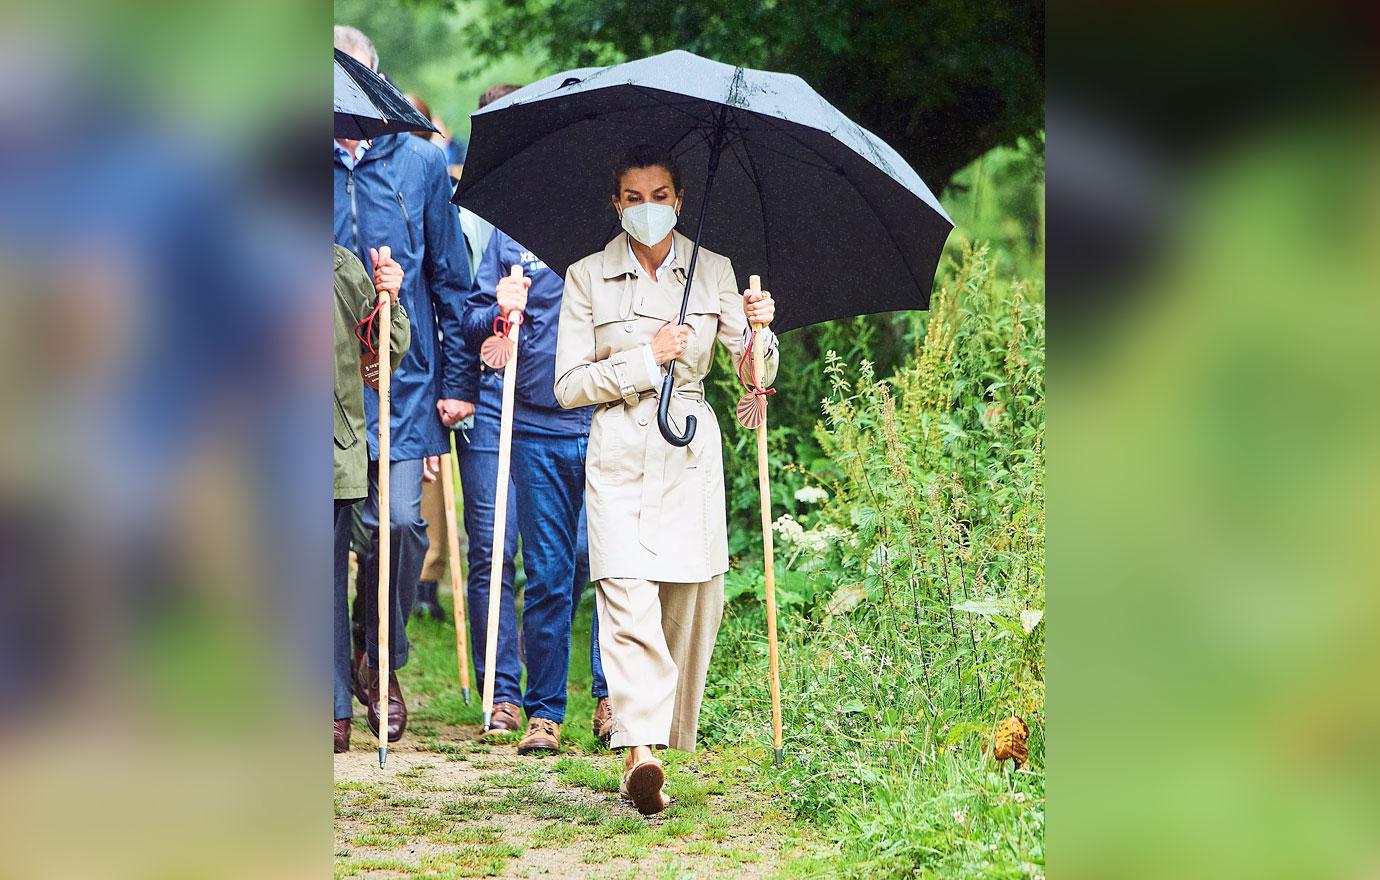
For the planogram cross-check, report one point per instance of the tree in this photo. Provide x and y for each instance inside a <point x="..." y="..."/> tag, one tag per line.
<point x="942" y="81"/>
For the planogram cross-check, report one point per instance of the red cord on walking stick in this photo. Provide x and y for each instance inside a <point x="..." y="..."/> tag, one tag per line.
<point x="752" y="409"/>
<point x="497" y="349"/>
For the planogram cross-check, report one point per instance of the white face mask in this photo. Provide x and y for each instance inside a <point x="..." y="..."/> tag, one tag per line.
<point x="649" y="223"/>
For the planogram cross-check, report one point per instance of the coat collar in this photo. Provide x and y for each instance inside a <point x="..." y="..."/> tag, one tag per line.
<point x="379" y="147"/>
<point x="619" y="262"/>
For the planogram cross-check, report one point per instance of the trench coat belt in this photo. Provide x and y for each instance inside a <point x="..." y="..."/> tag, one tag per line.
<point x="655" y="454"/>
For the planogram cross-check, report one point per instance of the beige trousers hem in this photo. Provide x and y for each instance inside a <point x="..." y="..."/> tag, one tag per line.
<point x="655" y="641"/>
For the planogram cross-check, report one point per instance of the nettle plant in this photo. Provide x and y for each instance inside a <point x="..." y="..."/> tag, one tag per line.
<point x="938" y="488"/>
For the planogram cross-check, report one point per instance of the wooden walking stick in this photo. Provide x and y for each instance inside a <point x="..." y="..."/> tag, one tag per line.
<point x="385" y="518"/>
<point x="457" y="583"/>
<point x="500" y="352"/>
<point x="752" y="413"/>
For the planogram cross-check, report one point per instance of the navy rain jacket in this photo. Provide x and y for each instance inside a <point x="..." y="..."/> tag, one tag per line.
<point x="535" y="408"/>
<point x="398" y="195"/>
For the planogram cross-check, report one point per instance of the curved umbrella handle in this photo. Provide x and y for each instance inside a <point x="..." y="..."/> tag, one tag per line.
<point x="663" y="412"/>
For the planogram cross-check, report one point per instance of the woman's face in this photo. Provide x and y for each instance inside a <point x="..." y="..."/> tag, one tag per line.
<point x="651" y="184"/>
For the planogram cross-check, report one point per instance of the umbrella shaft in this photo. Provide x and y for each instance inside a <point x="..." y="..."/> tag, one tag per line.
<point x="663" y="419"/>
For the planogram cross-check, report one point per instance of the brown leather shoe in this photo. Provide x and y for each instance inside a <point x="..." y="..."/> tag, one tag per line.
<point x="361" y="674"/>
<point x="643" y="786"/>
<point x="507" y="718"/>
<point x="543" y="735"/>
<point x="397" y="709"/>
<point x="342" y="735"/>
<point x="602" y="724"/>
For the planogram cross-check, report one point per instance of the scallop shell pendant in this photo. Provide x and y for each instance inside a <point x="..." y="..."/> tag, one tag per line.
<point x="496" y="351"/>
<point x="752" y="411"/>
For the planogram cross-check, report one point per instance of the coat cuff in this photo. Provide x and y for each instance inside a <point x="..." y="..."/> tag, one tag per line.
<point x="768" y="339"/>
<point x="654" y="372"/>
<point x="468" y="391"/>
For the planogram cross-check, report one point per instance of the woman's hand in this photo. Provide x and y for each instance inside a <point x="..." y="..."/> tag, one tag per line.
<point x="759" y="307"/>
<point x="512" y="294"/>
<point x="669" y="342"/>
<point x="388" y="275"/>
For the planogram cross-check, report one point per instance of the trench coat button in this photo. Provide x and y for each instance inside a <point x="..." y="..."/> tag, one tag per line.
<point x="628" y="327"/>
<point x="642" y="420"/>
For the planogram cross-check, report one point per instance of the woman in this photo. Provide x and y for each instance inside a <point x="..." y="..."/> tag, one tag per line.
<point x="658" y="538"/>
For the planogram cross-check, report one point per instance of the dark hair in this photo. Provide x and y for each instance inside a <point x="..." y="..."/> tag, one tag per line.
<point x="645" y="156"/>
<point x="495" y="92"/>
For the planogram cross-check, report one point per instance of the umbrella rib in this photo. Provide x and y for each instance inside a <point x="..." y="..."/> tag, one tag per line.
<point x="761" y="196"/>
<point x="889" y="234"/>
<point x="652" y="93"/>
<point x="554" y="131"/>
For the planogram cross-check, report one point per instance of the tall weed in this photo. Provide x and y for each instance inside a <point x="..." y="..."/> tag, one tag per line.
<point x="911" y="575"/>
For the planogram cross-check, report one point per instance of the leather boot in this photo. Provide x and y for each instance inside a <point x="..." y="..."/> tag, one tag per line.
<point x="602" y="723"/>
<point x="361" y="670"/>
<point x="342" y="735"/>
<point x="507" y="718"/>
<point x="397" y="709"/>
<point x="543" y="737"/>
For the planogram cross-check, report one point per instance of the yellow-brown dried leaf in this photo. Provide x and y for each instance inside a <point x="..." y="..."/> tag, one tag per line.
<point x="1010" y="741"/>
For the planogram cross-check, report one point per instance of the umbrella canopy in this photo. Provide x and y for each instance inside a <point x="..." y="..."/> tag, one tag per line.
<point x="832" y="218"/>
<point x="367" y="105"/>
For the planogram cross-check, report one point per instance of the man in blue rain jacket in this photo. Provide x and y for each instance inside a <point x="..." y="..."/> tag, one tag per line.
<point x="395" y="191"/>
<point x="548" y="485"/>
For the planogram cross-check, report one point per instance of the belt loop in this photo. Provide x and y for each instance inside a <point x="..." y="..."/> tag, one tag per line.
<point x="625" y="386"/>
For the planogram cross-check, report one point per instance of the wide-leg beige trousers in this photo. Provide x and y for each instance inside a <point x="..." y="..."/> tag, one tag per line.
<point x="655" y="641"/>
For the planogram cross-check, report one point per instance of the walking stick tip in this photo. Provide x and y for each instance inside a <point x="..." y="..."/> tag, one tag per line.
<point x="383" y="756"/>
<point x="488" y="716"/>
<point x="466" y="693"/>
<point x="780" y="756"/>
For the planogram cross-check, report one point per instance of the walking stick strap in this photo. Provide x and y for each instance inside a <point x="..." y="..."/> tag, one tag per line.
<point x="754" y="386"/>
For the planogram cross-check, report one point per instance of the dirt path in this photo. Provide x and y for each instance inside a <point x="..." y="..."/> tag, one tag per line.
<point x="450" y="806"/>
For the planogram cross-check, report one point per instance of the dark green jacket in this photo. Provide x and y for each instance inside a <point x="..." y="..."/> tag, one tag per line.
<point x="354" y="300"/>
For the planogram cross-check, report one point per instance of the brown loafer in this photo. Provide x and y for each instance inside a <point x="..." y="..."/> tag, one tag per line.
<point x="361" y="677"/>
<point x="507" y="718"/>
<point x="643" y="786"/>
<point x="397" y="709"/>
<point x="543" y="736"/>
<point x="342" y="735"/>
<point x="602" y="725"/>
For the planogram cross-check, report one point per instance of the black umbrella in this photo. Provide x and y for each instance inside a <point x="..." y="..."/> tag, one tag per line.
<point x="367" y="105"/>
<point x="831" y="216"/>
<point x="827" y="213"/>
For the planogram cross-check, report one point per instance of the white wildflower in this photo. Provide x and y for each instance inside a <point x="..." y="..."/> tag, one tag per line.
<point x="790" y="531"/>
<point x="811" y="495"/>
<point x="960" y="817"/>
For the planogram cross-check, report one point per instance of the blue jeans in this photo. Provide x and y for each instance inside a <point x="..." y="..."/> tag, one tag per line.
<point x="599" y="688"/>
<point x="477" y="456"/>
<point x="545" y="509"/>
<point x="406" y="554"/>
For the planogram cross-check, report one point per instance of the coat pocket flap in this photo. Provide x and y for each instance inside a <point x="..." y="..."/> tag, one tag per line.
<point x="606" y="310"/>
<point x="345" y="436"/>
<point x="655" y="304"/>
<point x="703" y="302"/>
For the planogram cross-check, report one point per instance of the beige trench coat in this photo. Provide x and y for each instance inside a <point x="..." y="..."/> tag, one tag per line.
<point x="655" y="511"/>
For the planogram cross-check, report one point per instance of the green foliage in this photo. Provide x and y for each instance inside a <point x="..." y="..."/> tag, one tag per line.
<point x="421" y="49"/>
<point x="912" y="598"/>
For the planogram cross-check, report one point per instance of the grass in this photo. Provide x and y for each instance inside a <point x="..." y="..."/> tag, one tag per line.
<point x="584" y="773"/>
<point x="479" y="825"/>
